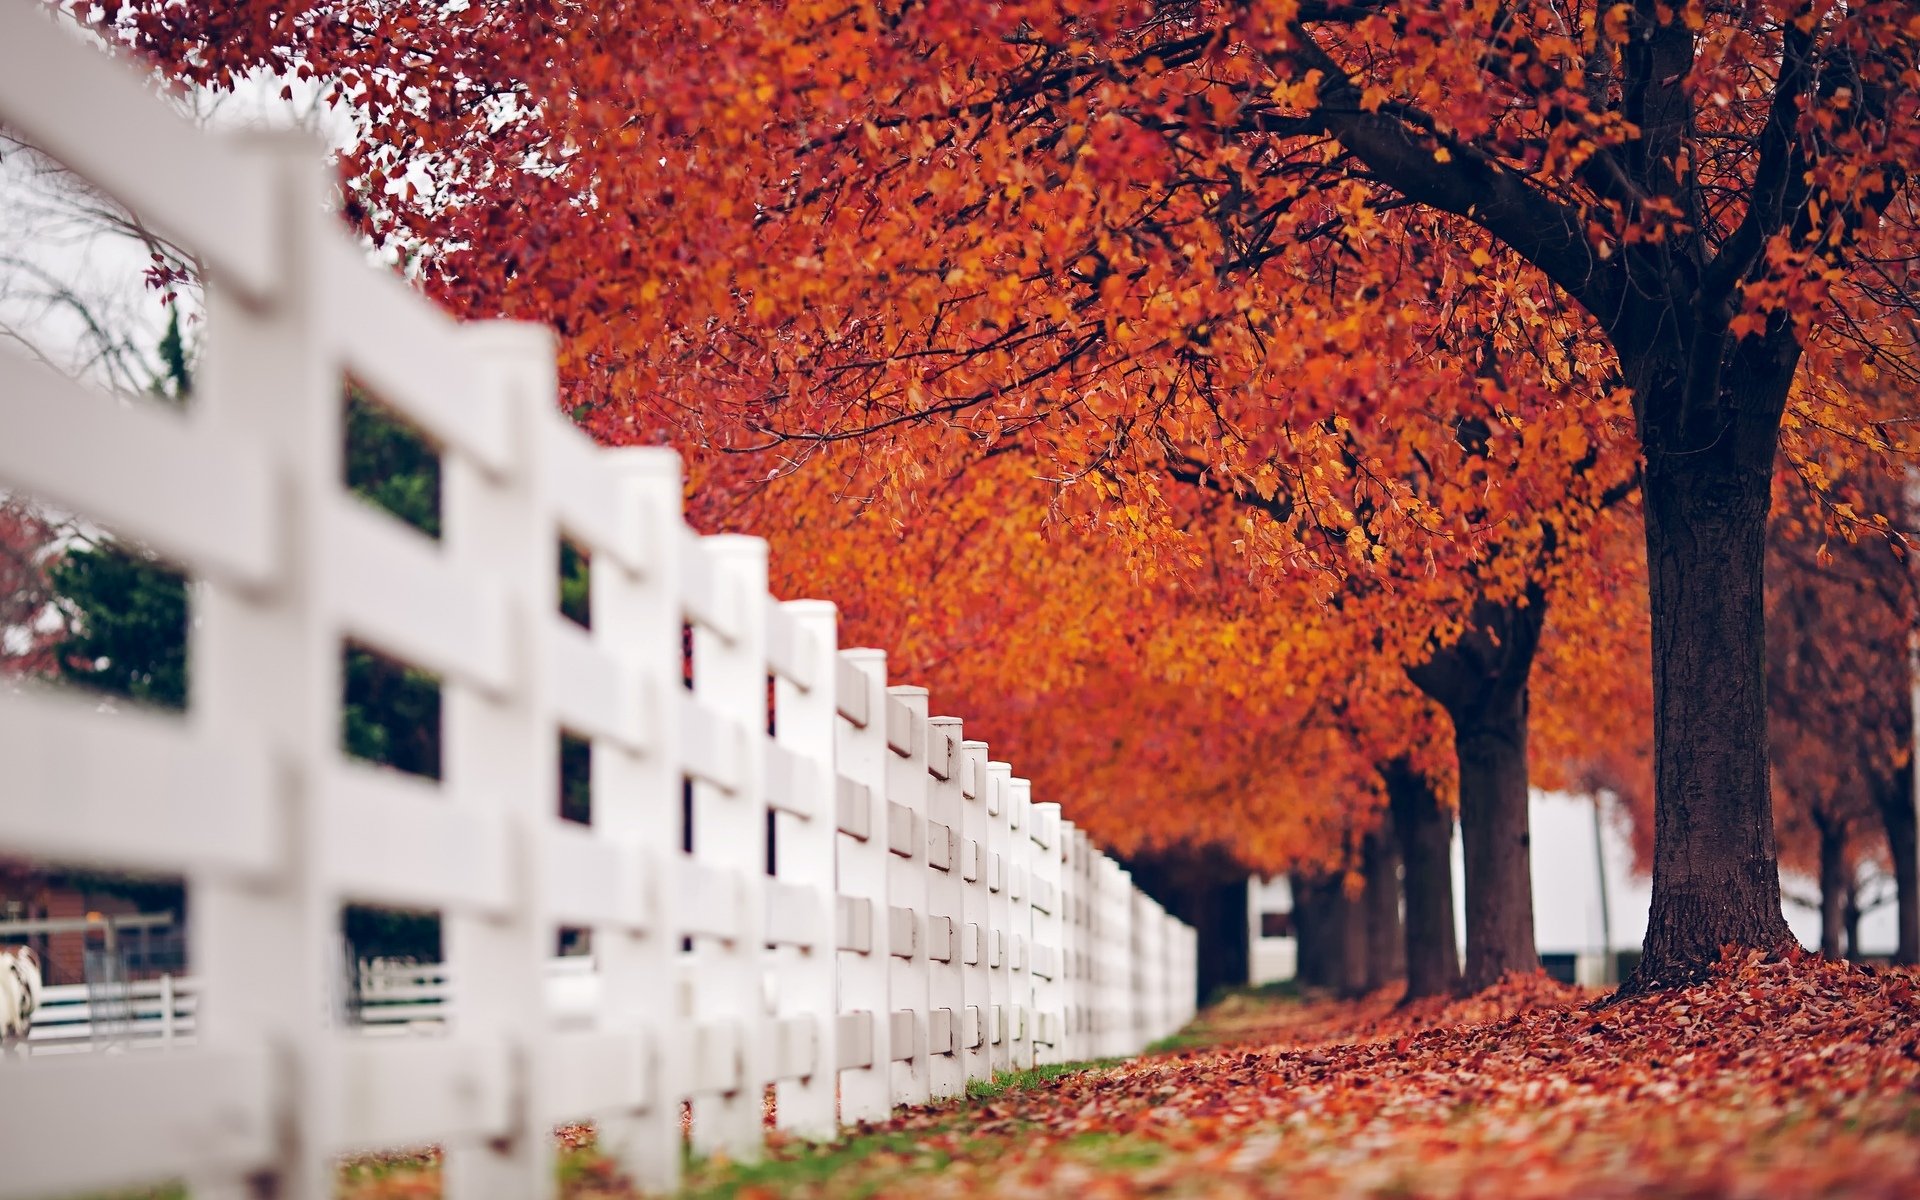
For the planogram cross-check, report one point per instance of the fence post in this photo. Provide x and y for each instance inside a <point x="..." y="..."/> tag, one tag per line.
<point x="730" y="837"/>
<point x="1048" y="965"/>
<point x="1080" y="931"/>
<point x="946" y="1006"/>
<point x="266" y="669"/>
<point x="804" y="721"/>
<point x="501" y="756"/>
<point x="999" y="866"/>
<point x="1021" y="1015"/>
<point x="636" y="799"/>
<point x="861" y="857"/>
<point x="907" y="988"/>
<point x="976" y="920"/>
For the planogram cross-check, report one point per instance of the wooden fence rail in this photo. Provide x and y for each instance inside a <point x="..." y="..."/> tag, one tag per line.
<point x="925" y="922"/>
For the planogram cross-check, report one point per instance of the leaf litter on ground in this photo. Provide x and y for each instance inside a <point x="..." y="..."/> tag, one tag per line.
<point x="1777" y="1077"/>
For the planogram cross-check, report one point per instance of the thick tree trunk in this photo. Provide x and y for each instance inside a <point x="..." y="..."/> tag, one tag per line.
<point x="1319" y="924"/>
<point x="1206" y="888"/>
<point x="1833" y="888"/>
<point x="1224" y="934"/>
<point x="1425" y="835"/>
<point x="1716" y="875"/>
<point x="1496" y="839"/>
<point x="1481" y="681"/>
<point x="1850" y="917"/>
<point x="1894" y="799"/>
<point x="1356" y="944"/>
<point x="1386" y="941"/>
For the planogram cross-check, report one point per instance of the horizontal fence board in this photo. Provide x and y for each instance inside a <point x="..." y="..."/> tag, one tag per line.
<point x="790" y="648"/>
<point x="206" y="193"/>
<point x="853" y="801"/>
<point x="198" y="498"/>
<point x="593" y="881"/>
<point x="134" y="790"/>
<point x="850" y="693"/>
<point x="374" y="820"/>
<point x="854" y="924"/>
<point x="196" y="1111"/>
<point x="411" y="357"/>
<point x="416" y="1091"/>
<point x="587" y="500"/>
<point x="796" y="784"/>
<point x="854" y="1039"/>
<point x="709" y="900"/>
<point x="393" y="587"/>
<point x="594" y="694"/>
<point x="708" y="598"/>
<point x="589" y="1073"/>
<point x="713" y="744"/>
<point x="795" y="915"/>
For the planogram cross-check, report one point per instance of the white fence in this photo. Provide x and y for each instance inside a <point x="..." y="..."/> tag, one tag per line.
<point x="926" y="922"/>
<point x="76" y="1017"/>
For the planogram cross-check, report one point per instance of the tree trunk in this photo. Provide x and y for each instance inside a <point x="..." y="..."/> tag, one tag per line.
<point x="1833" y="886"/>
<point x="1495" y="836"/>
<point x="1850" y="917"/>
<point x="1356" y="944"/>
<point x="1425" y="835"/>
<point x="1207" y="888"/>
<point x="1319" y="924"/>
<point x="1894" y="799"/>
<point x="1224" y="934"/>
<point x="1386" y="940"/>
<point x="1481" y="682"/>
<point x="1716" y="874"/>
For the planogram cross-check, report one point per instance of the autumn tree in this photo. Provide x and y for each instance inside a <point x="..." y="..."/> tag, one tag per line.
<point x="1841" y="600"/>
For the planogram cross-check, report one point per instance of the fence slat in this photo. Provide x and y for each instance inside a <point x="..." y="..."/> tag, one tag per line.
<point x="201" y="191"/>
<point x="861" y="866"/>
<point x="181" y="1113"/>
<point x="194" y="496"/>
<point x="132" y="790"/>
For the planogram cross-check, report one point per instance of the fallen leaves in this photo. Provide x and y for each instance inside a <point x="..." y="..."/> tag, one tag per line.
<point x="1792" y="1077"/>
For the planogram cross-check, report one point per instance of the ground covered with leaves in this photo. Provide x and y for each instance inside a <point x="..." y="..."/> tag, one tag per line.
<point x="1775" y="1078"/>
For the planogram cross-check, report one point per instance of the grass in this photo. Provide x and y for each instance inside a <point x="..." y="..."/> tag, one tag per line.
<point x="1020" y="1081"/>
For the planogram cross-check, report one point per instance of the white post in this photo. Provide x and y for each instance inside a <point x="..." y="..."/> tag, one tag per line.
<point x="1000" y="1013"/>
<point x="1048" y="963"/>
<point x="166" y="1009"/>
<point x="1080" y="938"/>
<point x="946" y="997"/>
<point x="804" y="721"/>
<point x="1020" y="1013"/>
<point x="730" y="837"/>
<point x="636" y="800"/>
<point x="266" y="668"/>
<point x="501" y="756"/>
<point x="908" y="979"/>
<point x="861" y="859"/>
<point x="1116" y="1028"/>
<point x="976" y="921"/>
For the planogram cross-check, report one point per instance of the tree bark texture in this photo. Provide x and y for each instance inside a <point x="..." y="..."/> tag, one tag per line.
<point x="1386" y="939"/>
<point x="1319" y="925"/>
<point x="1206" y="888"/>
<point x="1425" y="833"/>
<point x="1833" y="887"/>
<point x="1481" y="682"/>
<point x="1893" y="797"/>
<point x="1708" y="481"/>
